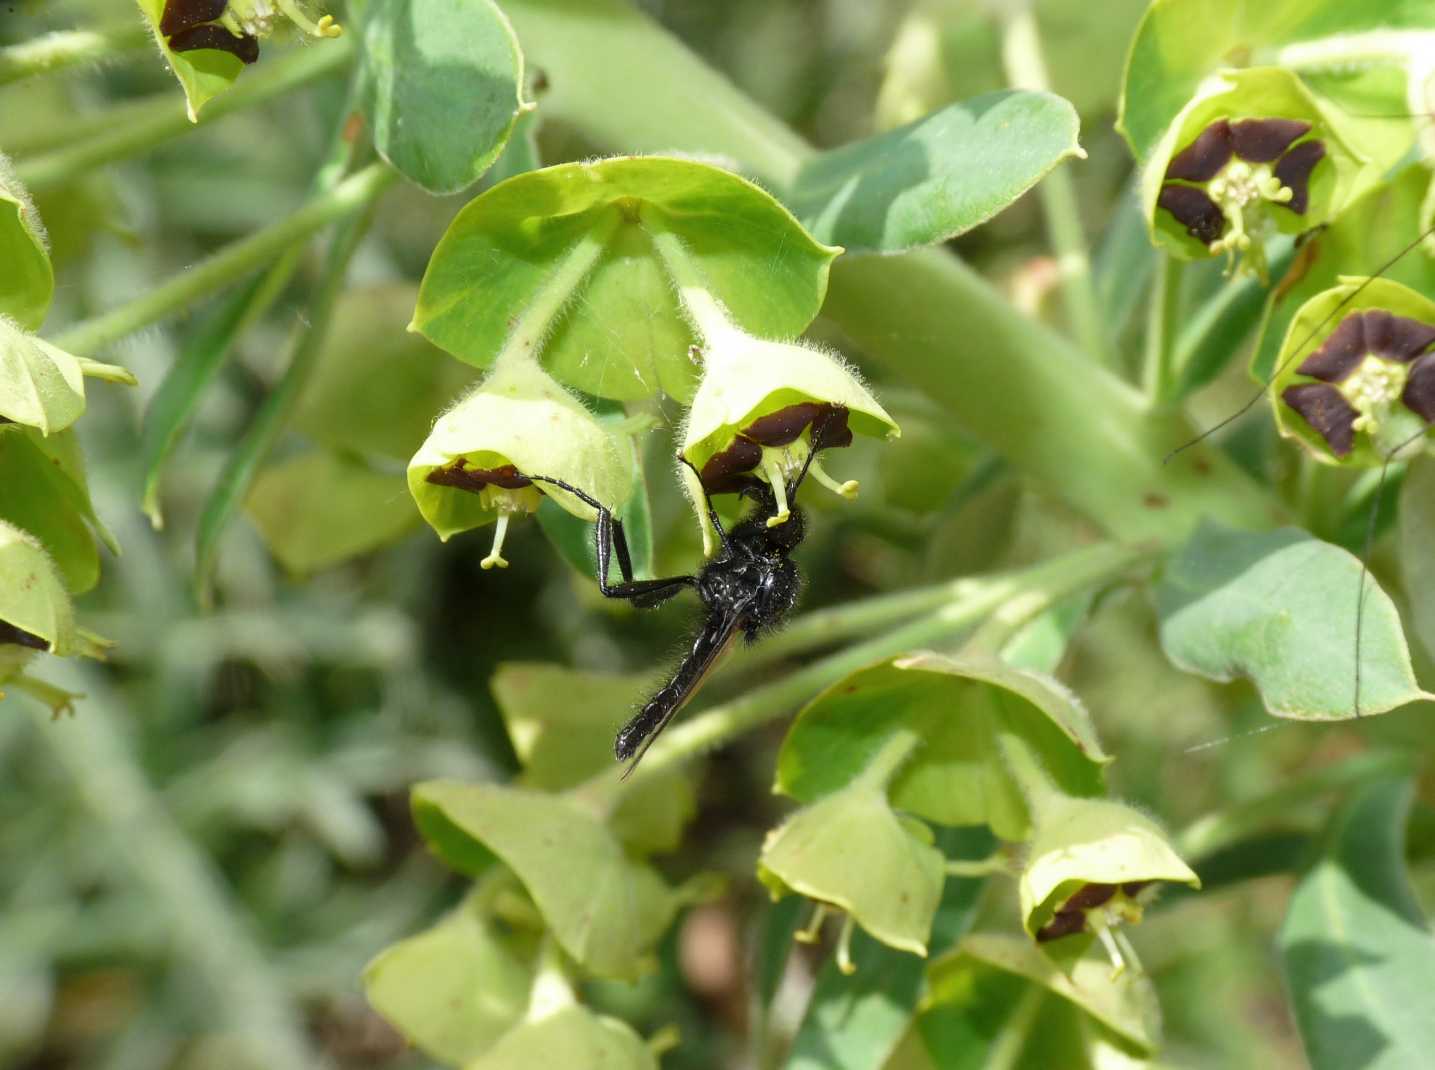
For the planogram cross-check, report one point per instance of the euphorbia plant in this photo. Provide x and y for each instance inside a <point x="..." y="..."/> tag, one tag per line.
<point x="998" y="789"/>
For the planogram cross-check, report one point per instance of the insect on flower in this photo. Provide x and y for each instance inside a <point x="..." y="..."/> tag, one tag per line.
<point x="748" y="587"/>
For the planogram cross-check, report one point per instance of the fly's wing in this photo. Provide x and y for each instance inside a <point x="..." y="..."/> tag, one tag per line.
<point x="715" y="636"/>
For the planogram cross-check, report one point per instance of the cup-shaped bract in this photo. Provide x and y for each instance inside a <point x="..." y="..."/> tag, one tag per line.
<point x="35" y="609"/>
<point x="762" y="407"/>
<point x="1089" y="860"/>
<point x="1252" y="155"/>
<point x="1355" y="376"/>
<point x="474" y="466"/>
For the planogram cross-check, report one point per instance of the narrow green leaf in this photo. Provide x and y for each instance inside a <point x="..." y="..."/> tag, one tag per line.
<point x="1279" y="607"/>
<point x="938" y="177"/>
<point x="442" y="88"/>
<point x="561" y="743"/>
<point x="28" y="281"/>
<point x="961" y="710"/>
<point x="318" y="509"/>
<point x="453" y="990"/>
<point x="625" y="338"/>
<point x="605" y="909"/>
<point x="1417" y="536"/>
<point x="1358" y="955"/>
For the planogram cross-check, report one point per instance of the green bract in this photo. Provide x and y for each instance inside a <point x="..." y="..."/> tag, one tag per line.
<point x="605" y="909"/>
<point x="517" y="419"/>
<point x="27" y="281"/>
<point x="573" y="1036"/>
<point x="626" y="338"/>
<point x="39" y="385"/>
<point x="1079" y="843"/>
<point x="474" y="57"/>
<point x="1353" y="380"/>
<point x="966" y="712"/>
<point x="33" y="599"/>
<point x="1249" y="193"/>
<point x="852" y="851"/>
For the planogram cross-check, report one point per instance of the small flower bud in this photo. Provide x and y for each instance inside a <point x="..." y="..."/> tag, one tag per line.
<point x="763" y="407"/>
<point x="473" y="467"/>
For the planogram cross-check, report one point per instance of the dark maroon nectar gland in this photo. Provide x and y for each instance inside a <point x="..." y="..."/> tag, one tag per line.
<point x="1372" y="363"/>
<point x="234" y="26"/>
<point x="1223" y="185"/>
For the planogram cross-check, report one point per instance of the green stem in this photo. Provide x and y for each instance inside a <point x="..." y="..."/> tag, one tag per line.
<point x="1006" y="1052"/>
<point x="138" y="128"/>
<point x="1056" y="578"/>
<point x="264" y="431"/>
<point x="206" y="930"/>
<point x="229" y="265"/>
<point x="704" y="311"/>
<point x="1026" y="69"/>
<point x="543" y="309"/>
<point x="892" y="755"/>
<point x="65" y="48"/>
<point x="925" y="317"/>
<point x="1157" y="377"/>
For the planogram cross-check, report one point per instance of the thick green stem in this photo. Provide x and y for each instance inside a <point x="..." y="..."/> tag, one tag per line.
<point x="229" y="265"/>
<point x="1026" y="69"/>
<point x="1055" y="579"/>
<point x="206" y="930"/>
<point x="65" y="48"/>
<point x="137" y="129"/>
<point x="707" y="316"/>
<point x="925" y="317"/>
<point x="1160" y="352"/>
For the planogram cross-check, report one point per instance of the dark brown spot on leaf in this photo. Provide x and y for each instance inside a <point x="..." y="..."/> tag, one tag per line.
<point x="245" y="49"/>
<point x="20" y="637"/>
<point x="182" y="14"/>
<point x="1419" y="395"/>
<point x="1325" y="409"/>
<point x="1339" y="354"/>
<point x="1194" y="210"/>
<point x="1200" y="160"/>
<point x="1294" y="168"/>
<point x="1263" y="140"/>
<point x="462" y="477"/>
<point x="1152" y="500"/>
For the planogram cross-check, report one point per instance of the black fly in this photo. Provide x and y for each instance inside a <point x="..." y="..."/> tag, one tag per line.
<point x="748" y="587"/>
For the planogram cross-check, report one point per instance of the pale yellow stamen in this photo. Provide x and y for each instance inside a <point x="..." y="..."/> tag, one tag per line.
<point x="844" y="946"/>
<point x="495" y="556"/>
<point x="847" y="489"/>
<point x="813" y="929"/>
<point x="772" y="468"/>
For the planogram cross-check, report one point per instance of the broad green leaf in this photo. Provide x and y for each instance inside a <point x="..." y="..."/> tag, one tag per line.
<point x="1180" y="42"/>
<point x="562" y="743"/>
<point x="43" y="491"/>
<point x="442" y="88"/>
<point x="376" y="387"/>
<point x="203" y="73"/>
<point x="605" y="909"/>
<point x="856" y="1021"/>
<point x="963" y="711"/>
<point x="935" y="178"/>
<point x="1279" y="607"/>
<point x="318" y="509"/>
<point x="33" y="598"/>
<point x="850" y="850"/>
<point x="454" y="989"/>
<point x="40" y="385"/>
<point x="1417" y="536"/>
<point x="1091" y="841"/>
<point x="1357" y="954"/>
<point x="572" y="1037"/>
<point x="1367" y="237"/>
<point x="27" y="282"/>
<point x="1125" y="1004"/>
<point x="572" y="536"/>
<point x="625" y="337"/>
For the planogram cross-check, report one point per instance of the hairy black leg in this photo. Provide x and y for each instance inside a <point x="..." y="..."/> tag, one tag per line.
<point x="708" y="502"/>
<point x="608" y="539"/>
